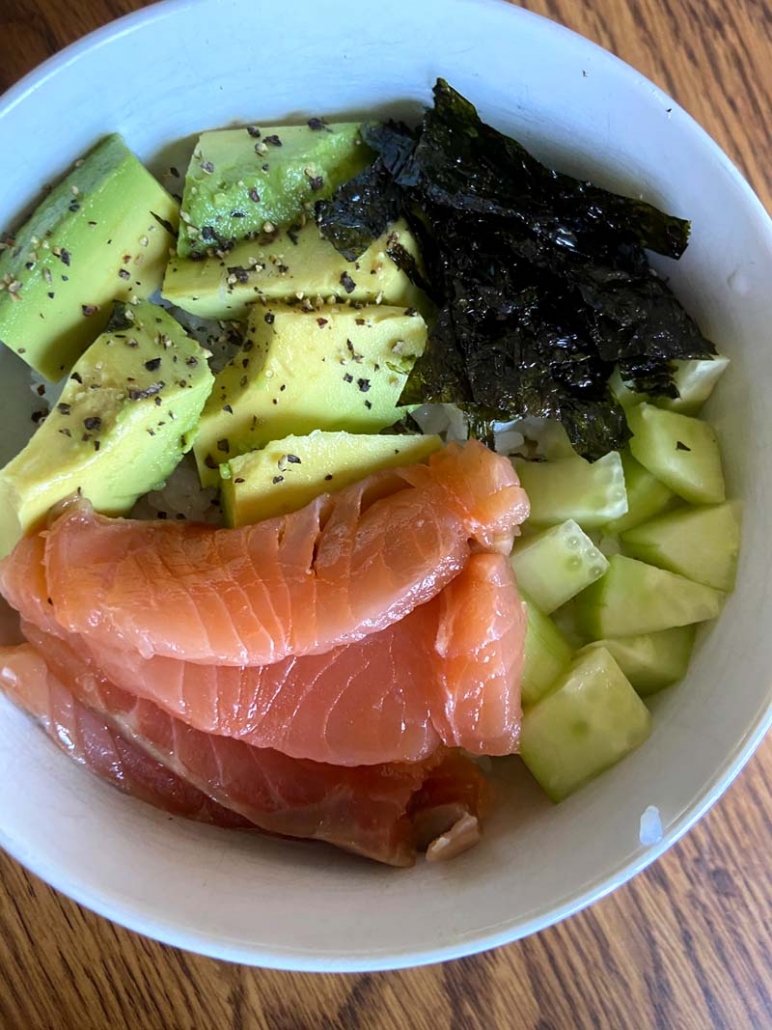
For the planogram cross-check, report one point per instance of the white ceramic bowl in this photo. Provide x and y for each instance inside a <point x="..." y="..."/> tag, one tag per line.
<point x="188" y="65"/>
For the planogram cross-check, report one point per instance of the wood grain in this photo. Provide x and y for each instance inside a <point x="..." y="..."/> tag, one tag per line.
<point x="687" y="945"/>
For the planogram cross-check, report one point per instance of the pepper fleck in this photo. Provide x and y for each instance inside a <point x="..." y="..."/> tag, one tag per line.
<point x="278" y="479"/>
<point x="94" y="422"/>
<point x="328" y="477"/>
<point x="321" y="322"/>
<point x="153" y="364"/>
<point x="368" y="405"/>
<point x="348" y="378"/>
<point x="270" y="317"/>
<point x="238" y="273"/>
<point x="316" y="124"/>
<point x="66" y="257"/>
<point x="63" y="409"/>
<point x="77" y="377"/>
<point x="293" y="459"/>
<point x="363" y="384"/>
<point x="254" y="195"/>
<point x="228" y="408"/>
<point x="150" y="391"/>
<point x="253" y="131"/>
<point x="207" y="166"/>
<point x="273" y="140"/>
<point x="347" y="282"/>
<point x="210" y="462"/>
<point x="124" y="273"/>
<point x="317" y="182"/>
<point x="223" y="445"/>
<point x="239" y="479"/>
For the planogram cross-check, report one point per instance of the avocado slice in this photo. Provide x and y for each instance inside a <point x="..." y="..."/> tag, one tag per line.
<point x="125" y="418"/>
<point x="102" y="234"/>
<point x="287" y="474"/>
<point x="240" y="179"/>
<point x="340" y="368"/>
<point x="287" y="265"/>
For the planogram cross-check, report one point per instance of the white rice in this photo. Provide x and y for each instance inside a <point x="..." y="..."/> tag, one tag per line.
<point x="524" y="437"/>
<point x="181" y="498"/>
<point x="221" y="339"/>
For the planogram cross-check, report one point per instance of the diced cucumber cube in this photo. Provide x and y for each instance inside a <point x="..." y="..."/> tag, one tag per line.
<point x="634" y="597"/>
<point x="622" y="393"/>
<point x="547" y="653"/>
<point x="647" y="496"/>
<point x="590" y="493"/>
<point x="590" y="720"/>
<point x="651" y="661"/>
<point x="694" y="380"/>
<point x="680" y="450"/>
<point x="556" y="564"/>
<point x="700" y="543"/>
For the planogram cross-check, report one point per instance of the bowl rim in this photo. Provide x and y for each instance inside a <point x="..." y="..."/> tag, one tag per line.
<point x="209" y="944"/>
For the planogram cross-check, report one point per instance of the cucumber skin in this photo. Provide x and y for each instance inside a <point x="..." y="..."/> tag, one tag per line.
<point x="634" y="598"/>
<point x="589" y="721"/>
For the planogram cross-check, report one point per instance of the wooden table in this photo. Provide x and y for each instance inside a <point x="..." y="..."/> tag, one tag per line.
<point x="688" y="944"/>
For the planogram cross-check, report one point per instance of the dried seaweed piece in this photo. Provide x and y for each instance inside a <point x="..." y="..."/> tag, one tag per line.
<point x="462" y="163"/>
<point x="542" y="281"/>
<point x="360" y="211"/>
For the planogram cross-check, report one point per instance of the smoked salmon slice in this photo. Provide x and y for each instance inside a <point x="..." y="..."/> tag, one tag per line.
<point x="481" y="647"/>
<point x="345" y="566"/>
<point x="85" y="737"/>
<point x="448" y="672"/>
<point x="367" y="810"/>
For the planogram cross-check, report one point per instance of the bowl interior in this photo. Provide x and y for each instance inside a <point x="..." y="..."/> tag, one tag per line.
<point x="300" y="905"/>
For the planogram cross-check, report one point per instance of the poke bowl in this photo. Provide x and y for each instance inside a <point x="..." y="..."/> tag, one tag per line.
<point x="269" y="901"/>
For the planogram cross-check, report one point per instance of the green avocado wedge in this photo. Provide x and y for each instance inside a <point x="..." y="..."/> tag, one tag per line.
<point x="103" y="234"/>
<point x="249" y="180"/>
<point x="126" y="416"/>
